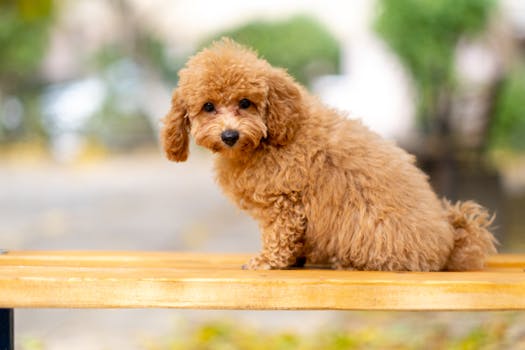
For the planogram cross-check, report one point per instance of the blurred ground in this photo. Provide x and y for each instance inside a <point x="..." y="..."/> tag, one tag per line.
<point x="137" y="203"/>
<point x="143" y="202"/>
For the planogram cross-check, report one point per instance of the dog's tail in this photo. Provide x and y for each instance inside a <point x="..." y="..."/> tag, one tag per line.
<point x="473" y="241"/>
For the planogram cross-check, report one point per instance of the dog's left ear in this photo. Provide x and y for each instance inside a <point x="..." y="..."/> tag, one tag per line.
<point x="283" y="107"/>
<point x="174" y="134"/>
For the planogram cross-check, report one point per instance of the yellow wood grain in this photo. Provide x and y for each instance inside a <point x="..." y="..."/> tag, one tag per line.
<point x="216" y="281"/>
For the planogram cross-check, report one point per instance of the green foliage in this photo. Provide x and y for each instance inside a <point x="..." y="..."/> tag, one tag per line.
<point x="424" y="34"/>
<point x="23" y="38"/>
<point x="300" y="44"/>
<point x="222" y="335"/>
<point x="147" y="50"/>
<point x="158" y="56"/>
<point x="508" y="129"/>
<point x="31" y="343"/>
<point x="119" y="124"/>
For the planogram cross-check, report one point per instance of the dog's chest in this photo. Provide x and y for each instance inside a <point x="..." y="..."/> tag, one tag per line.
<point x="246" y="186"/>
<point x="258" y="184"/>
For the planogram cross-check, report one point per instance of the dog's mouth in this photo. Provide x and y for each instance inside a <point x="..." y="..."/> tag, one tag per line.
<point x="229" y="142"/>
<point x="239" y="148"/>
<point x="222" y="147"/>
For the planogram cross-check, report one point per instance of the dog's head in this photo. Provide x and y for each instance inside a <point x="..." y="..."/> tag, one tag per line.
<point x="230" y="101"/>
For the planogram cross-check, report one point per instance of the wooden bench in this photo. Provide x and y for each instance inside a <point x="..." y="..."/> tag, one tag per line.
<point x="216" y="281"/>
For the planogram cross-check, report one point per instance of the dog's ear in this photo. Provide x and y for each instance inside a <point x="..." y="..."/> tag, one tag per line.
<point x="174" y="135"/>
<point x="283" y="107"/>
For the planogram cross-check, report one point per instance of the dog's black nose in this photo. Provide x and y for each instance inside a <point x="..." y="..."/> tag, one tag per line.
<point x="229" y="137"/>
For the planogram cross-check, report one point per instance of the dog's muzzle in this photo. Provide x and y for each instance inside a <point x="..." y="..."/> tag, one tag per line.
<point x="230" y="137"/>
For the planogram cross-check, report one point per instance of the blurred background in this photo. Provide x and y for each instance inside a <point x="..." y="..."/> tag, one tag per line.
<point x="83" y="84"/>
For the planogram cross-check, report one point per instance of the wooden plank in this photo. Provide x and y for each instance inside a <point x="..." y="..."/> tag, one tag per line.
<point x="123" y="259"/>
<point x="213" y="281"/>
<point x="163" y="259"/>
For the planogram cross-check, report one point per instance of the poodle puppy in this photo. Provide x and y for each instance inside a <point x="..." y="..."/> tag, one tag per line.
<point x="323" y="188"/>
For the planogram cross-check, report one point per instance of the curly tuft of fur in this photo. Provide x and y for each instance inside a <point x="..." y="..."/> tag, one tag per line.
<point x="473" y="241"/>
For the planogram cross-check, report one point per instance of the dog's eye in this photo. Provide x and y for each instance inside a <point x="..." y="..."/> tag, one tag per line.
<point x="244" y="103"/>
<point x="208" y="107"/>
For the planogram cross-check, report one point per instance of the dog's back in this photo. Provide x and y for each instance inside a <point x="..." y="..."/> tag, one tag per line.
<point x="369" y="207"/>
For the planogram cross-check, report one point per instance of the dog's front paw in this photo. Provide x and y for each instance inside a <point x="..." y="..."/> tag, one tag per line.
<point x="257" y="263"/>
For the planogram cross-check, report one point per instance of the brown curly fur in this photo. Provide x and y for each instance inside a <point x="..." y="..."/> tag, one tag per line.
<point x="323" y="188"/>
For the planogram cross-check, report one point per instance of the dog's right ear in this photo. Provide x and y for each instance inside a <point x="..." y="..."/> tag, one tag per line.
<point x="174" y="135"/>
<point x="284" y="107"/>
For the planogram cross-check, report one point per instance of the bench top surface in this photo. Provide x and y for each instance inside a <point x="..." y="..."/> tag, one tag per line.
<point x="216" y="281"/>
